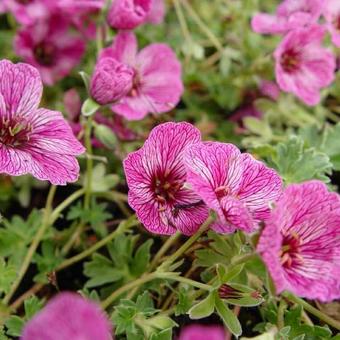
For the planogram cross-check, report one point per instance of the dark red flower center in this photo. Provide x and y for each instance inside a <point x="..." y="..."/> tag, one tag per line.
<point x="14" y="132"/>
<point x="45" y="53"/>
<point x="290" y="61"/>
<point x="337" y="23"/>
<point x="165" y="188"/>
<point x="136" y="83"/>
<point x="290" y="253"/>
<point x="24" y="2"/>
<point x="221" y="192"/>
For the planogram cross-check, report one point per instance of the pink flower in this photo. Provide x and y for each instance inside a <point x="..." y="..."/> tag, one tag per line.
<point x="331" y="13"/>
<point x="238" y="187"/>
<point x="68" y="316"/>
<point x="201" y="332"/>
<point x="32" y="140"/>
<point x="157" y="12"/>
<point x="27" y="12"/>
<point x="290" y="14"/>
<point x="110" y="81"/>
<point x="157" y="84"/>
<point x="50" y="47"/>
<point x="128" y="14"/>
<point x="301" y="242"/>
<point x="156" y="178"/>
<point x="303" y="66"/>
<point x="269" y="89"/>
<point x="3" y="8"/>
<point x="72" y="104"/>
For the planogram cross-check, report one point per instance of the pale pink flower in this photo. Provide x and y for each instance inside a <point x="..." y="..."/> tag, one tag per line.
<point x="32" y="140"/>
<point x="269" y="89"/>
<point x="290" y="14"/>
<point x="238" y="187"/>
<point x="331" y="13"/>
<point x="202" y="332"/>
<point x="156" y="179"/>
<point x="51" y="47"/>
<point x="157" y="84"/>
<point x="68" y="316"/>
<point x="300" y="243"/>
<point x="110" y="81"/>
<point x="303" y="66"/>
<point x="157" y="12"/>
<point x="3" y="8"/>
<point x="128" y="14"/>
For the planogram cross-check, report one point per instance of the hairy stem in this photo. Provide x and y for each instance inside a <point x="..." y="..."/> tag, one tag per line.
<point x="34" y="245"/>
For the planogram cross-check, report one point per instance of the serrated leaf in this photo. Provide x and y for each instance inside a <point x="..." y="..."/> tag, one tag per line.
<point x="7" y="276"/>
<point x="228" y="317"/>
<point x="32" y="306"/>
<point x="204" y="308"/>
<point x="14" y="325"/>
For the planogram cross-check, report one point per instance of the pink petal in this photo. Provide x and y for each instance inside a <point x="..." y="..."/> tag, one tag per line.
<point x="20" y="87"/>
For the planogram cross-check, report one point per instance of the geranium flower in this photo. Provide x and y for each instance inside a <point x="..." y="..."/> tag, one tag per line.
<point x="301" y="240"/>
<point x="331" y="13"/>
<point x="157" y="12"/>
<point x="128" y="14"/>
<point x="202" y="332"/>
<point x="156" y="179"/>
<point x="303" y="66"/>
<point x="116" y="123"/>
<point x="51" y="47"/>
<point x="238" y="187"/>
<point x="290" y="14"/>
<point x="111" y="80"/>
<point x="27" y="12"/>
<point x="157" y="85"/>
<point x="68" y="316"/>
<point x="32" y="140"/>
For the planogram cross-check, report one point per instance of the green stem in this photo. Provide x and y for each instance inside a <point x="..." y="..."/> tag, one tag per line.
<point x="147" y="278"/>
<point x="167" y="244"/>
<point x="281" y="313"/>
<point x="89" y="163"/>
<point x="56" y="212"/>
<point x="121" y="228"/>
<point x="309" y="308"/>
<point x="205" y="29"/>
<point x="34" y="245"/>
<point x="243" y="258"/>
<point x="185" y="246"/>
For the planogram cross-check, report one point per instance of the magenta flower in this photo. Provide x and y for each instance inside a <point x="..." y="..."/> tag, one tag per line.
<point x="50" y="47"/>
<point x="157" y="84"/>
<point x="27" y="12"/>
<point x="269" y="89"/>
<point x="201" y="332"/>
<point x="303" y="66"/>
<point x="32" y="140"/>
<point x="156" y="178"/>
<point x="238" y="187"/>
<point x="128" y="14"/>
<point x="331" y="13"/>
<point x="110" y="81"/>
<point x="301" y="241"/>
<point x="290" y="14"/>
<point x="157" y="12"/>
<point x="68" y="316"/>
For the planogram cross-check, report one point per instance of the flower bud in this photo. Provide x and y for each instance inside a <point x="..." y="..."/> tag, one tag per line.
<point x="128" y="14"/>
<point x="110" y="81"/>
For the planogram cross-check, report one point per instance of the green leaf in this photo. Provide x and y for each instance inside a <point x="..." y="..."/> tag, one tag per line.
<point x="229" y="272"/>
<point x="14" y="325"/>
<point x="204" y="308"/>
<point x="105" y="135"/>
<point x="228" y="317"/>
<point x="90" y="107"/>
<point x="166" y="334"/>
<point x="185" y="301"/>
<point x="32" y="305"/>
<point x="141" y="258"/>
<point x="296" y="164"/>
<point x="7" y="276"/>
